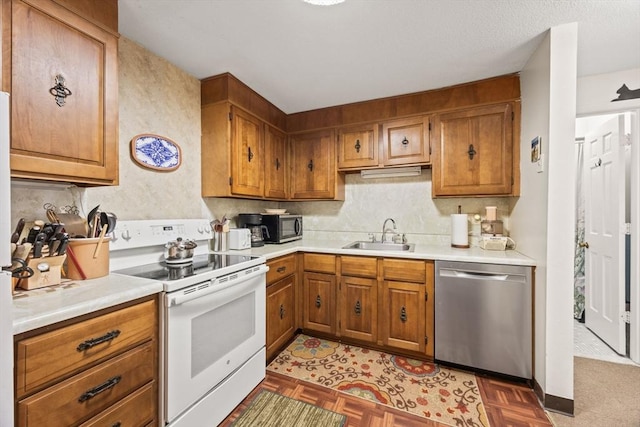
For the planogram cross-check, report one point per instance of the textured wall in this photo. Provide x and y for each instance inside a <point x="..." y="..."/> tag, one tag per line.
<point x="157" y="97"/>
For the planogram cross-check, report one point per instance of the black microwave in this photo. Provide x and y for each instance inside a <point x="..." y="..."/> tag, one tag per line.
<point x="282" y="228"/>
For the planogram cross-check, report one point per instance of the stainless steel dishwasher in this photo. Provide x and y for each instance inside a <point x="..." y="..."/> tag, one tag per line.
<point x="483" y="317"/>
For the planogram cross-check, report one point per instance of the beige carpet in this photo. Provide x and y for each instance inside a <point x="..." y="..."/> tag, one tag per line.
<point x="605" y="395"/>
<point x="270" y="409"/>
<point x="444" y="395"/>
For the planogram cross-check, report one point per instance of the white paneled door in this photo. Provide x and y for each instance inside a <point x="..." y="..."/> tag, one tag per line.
<point x="604" y="233"/>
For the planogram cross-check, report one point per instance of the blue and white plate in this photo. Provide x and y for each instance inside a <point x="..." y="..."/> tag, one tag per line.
<point x="156" y="152"/>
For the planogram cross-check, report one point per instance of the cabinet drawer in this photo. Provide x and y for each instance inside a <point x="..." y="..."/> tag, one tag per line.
<point x="138" y="409"/>
<point x="88" y="393"/>
<point x="42" y="359"/>
<point x="320" y="262"/>
<point x="359" y="266"/>
<point x="404" y="270"/>
<point x="281" y="267"/>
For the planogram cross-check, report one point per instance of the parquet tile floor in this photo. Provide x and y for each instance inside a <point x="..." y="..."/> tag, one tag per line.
<point x="507" y="404"/>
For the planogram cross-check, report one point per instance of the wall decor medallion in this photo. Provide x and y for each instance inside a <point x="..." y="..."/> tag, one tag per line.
<point x="156" y="152"/>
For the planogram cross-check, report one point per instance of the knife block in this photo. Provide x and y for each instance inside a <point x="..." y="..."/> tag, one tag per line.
<point x="43" y="277"/>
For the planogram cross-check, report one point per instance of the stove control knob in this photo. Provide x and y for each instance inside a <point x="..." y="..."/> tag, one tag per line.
<point x="126" y="235"/>
<point x="207" y="230"/>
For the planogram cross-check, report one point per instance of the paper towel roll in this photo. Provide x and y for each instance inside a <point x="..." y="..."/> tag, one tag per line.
<point x="459" y="231"/>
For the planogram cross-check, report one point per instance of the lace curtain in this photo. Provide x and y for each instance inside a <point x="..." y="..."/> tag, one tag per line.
<point x="578" y="265"/>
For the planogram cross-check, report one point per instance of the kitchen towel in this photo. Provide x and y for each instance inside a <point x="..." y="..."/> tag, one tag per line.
<point x="459" y="231"/>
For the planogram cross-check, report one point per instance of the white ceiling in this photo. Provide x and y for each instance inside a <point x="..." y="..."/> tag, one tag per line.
<point x="301" y="57"/>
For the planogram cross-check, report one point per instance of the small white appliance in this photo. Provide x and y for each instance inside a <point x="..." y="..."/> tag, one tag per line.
<point x="497" y="243"/>
<point x="239" y="238"/>
<point x="6" y="299"/>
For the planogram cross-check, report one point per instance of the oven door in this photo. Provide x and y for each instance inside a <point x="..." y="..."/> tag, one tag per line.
<point x="212" y="329"/>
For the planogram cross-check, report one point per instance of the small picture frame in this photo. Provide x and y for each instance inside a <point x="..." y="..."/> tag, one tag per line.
<point x="536" y="149"/>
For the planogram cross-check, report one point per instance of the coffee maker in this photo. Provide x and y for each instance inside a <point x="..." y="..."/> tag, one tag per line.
<point x="253" y="221"/>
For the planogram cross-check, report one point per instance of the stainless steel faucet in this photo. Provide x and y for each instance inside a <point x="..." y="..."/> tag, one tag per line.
<point x="384" y="228"/>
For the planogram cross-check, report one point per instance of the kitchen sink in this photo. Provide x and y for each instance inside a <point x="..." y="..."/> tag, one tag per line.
<point x="377" y="246"/>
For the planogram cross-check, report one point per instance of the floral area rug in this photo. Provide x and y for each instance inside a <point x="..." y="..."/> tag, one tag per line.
<point x="421" y="388"/>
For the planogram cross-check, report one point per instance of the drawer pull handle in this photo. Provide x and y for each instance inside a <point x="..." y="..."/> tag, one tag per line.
<point x="357" y="308"/>
<point x="281" y="269"/>
<point x="281" y="311"/>
<point x="89" y="394"/>
<point x="405" y="141"/>
<point x="85" y="345"/>
<point x="403" y="314"/>
<point x="118" y="424"/>
<point x="318" y="302"/>
<point x="357" y="146"/>
<point x="310" y="165"/>
<point x="472" y="152"/>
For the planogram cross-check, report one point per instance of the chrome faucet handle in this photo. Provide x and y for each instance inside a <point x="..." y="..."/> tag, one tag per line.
<point x="372" y="237"/>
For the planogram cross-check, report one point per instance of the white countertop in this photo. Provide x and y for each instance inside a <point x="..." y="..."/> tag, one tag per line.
<point x="41" y="307"/>
<point x="45" y="306"/>
<point x="421" y="251"/>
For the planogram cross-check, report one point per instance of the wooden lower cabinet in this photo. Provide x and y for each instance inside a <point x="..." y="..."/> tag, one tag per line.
<point x="359" y="308"/>
<point x="403" y="311"/>
<point x="281" y="319"/>
<point x="319" y="302"/>
<point x="102" y="370"/>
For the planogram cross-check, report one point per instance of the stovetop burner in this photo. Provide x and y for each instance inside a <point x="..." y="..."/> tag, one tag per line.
<point x="199" y="265"/>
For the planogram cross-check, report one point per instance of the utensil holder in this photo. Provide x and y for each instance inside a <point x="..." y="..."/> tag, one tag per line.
<point x="82" y="264"/>
<point x="219" y="242"/>
<point x="46" y="272"/>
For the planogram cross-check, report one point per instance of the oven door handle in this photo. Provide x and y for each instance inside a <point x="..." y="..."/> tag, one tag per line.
<point x="215" y="286"/>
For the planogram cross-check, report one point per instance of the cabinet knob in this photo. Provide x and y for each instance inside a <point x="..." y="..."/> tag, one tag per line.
<point x="310" y="165"/>
<point x="281" y="311"/>
<point x="403" y="314"/>
<point x="250" y="155"/>
<point x="357" y="146"/>
<point x="405" y="141"/>
<point x="357" y="308"/>
<point x="277" y="164"/>
<point x="472" y="152"/>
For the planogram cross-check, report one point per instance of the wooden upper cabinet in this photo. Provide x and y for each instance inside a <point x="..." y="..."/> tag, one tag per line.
<point x="275" y="164"/>
<point x="406" y="141"/>
<point x="313" y="167"/>
<point x="473" y="152"/>
<point x="358" y="147"/>
<point x="247" y="154"/>
<point x="73" y="137"/>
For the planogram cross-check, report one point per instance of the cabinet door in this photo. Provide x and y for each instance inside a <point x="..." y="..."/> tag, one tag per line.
<point x="359" y="308"/>
<point x="358" y="147"/>
<point x="406" y="141"/>
<point x="313" y="168"/>
<point x="280" y="314"/>
<point x="72" y="138"/>
<point x="403" y="311"/>
<point x="474" y="152"/>
<point x="319" y="297"/>
<point x="247" y="148"/>
<point x="276" y="165"/>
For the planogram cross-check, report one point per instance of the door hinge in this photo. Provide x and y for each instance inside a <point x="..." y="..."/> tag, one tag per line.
<point x="627" y="228"/>
<point x="626" y="317"/>
<point x="230" y="180"/>
<point x="230" y="116"/>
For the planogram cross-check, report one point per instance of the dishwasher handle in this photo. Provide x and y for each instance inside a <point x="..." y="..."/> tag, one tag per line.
<point x="478" y="275"/>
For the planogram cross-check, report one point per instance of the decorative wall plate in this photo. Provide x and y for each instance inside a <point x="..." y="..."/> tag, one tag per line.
<point x="156" y="152"/>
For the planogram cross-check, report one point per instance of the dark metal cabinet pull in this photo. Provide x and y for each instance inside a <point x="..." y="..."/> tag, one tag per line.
<point x="310" y="165"/>
<point x="403" y="314"/>
<point x="95" y="341"/>
<point x="472" y="152"/>
<point x="118" y="424"/>
<point x="89" y="394"/>
<point x="60" y="91"/>
<point x="318" y="301"/>
<point x="405" y="141"/>
<point x="277" y="164"/>
<point x="357" y="308"/>
<point x="281" y="269"/>
<point x="281" y="311"/>
<point x="250" y="154"/>
<point x="357" y="146"/>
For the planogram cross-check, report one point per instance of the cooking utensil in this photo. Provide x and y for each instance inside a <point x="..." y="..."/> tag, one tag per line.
<point x="99" y="245"/>
<point x="109" y="219"/>
<point x="179" y="251"/>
